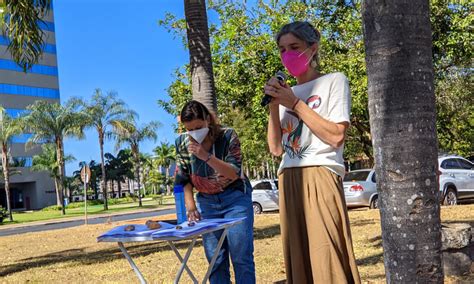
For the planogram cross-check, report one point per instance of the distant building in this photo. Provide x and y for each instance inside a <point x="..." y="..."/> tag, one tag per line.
<point x="29" y="190"/>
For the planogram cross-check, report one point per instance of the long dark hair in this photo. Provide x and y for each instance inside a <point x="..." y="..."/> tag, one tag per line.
<point x="195" y="110"/>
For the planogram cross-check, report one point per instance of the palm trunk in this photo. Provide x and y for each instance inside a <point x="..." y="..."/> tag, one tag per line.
<point x="403" y="122"/>
<point x="58" y="196"/>
<point x="60" y="156"/>
<point x="6" y="175"/>
<point x="102" y="166"/>
<point x="136" y="153"/>
<point x="167" y="173"/>
<point x="119" y="188"/>
<point x="200" y="53"/>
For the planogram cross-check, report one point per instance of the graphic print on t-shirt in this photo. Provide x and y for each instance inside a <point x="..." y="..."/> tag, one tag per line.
<point x="292" y="145"/>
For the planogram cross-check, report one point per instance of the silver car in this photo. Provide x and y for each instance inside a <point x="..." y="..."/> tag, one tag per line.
<point x="264" y="195"/>
<point x="360" y="189"/>
<point x="456" y="180"/>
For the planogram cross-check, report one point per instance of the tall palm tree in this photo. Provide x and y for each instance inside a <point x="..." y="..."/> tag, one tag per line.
<point x="9" y="127"/>
<point x="48" y="161"/>
<point x="165" y="156"/>
<point x="131" y="134"/>
<point x="403" y="123"/>
<point x="22" y="29"/>
<point x="202" y="77"/>
<point x="103" y="111"/>
<point x="51" y="123"/>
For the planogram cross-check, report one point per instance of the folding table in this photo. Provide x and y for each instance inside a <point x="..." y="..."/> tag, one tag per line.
<point x="169" y="233"/>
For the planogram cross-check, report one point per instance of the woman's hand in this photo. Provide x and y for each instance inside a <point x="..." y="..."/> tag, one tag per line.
<point x="193" y="215"/>
<point x="282" y="93"/>
<point x="197" y="150"/>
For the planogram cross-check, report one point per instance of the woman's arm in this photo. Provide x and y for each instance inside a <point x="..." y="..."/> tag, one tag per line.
<point x="223" y="168"/>
<point x="191" y="209"/>
<point x="329" y="132"/>
<point x="274" y="130"/>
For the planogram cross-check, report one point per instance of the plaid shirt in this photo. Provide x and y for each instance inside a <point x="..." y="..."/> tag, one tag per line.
<point x="190" y="169"/>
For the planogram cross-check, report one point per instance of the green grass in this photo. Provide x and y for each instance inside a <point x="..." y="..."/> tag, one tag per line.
<point x="78" y="210"/>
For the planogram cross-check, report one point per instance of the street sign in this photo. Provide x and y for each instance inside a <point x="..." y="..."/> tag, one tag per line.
<point x="85" y="174"/>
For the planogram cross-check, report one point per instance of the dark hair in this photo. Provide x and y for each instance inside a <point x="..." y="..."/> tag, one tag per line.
<point x="195" y="110"/>
<point x="304" y="31"/>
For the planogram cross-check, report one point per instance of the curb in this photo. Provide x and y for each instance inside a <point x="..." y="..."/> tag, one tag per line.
<point x="71" y="219"/>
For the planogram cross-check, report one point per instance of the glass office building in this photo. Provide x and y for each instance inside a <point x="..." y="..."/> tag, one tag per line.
<point x="29" y="190"/>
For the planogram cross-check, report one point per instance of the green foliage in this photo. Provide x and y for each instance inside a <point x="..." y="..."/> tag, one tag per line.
<point x="3" y="214"/>
<point x="245" y="56"/>
<point x="22" y="29"/>
<point x="52" y="208"/>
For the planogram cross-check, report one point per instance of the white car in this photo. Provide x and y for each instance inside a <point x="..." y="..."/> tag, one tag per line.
<point x="456" y="180"/>
<point x="264" y="195"/>
<point x="360" y="189"/>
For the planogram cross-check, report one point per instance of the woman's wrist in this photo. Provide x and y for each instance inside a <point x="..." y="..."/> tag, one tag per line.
<point x="209" y="156"/>
<point x="295" y="103"/>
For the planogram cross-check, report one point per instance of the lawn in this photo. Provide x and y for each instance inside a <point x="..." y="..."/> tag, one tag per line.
<point x="73" y="255"/>
<point x="41" y="215"/>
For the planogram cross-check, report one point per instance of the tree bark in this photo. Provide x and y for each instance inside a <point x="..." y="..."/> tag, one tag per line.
<point x="60" y="156"/>
<point x="6" y="176"/>
<point x="202" y="76"/>
<point x="403" y="123"/>
<point x="102" y="166"/>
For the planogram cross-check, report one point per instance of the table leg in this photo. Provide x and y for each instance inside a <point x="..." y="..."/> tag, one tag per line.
<point x="214" y="258"/>
<point x="132" y="264"/>
<point x="185" y="260"/>
<point x="178" y="255"/>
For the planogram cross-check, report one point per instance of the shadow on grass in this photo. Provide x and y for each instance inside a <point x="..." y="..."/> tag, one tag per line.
<point x="82" y="257"/>
<point x="370" y="260"/>
<point x="364" y="222"/>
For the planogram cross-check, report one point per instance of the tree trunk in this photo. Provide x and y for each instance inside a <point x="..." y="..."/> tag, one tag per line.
<point x="137" y="177"/>
<point x="403" y="123"/>
<point x="6" y="175"/>
<point x="167" y="176"/>
<point x="102" y="166"/>
<point x="200" y="53"/>
<point x="119" y="188"/>
<point x="58" y="195"/>
<point x="60" y="156"/>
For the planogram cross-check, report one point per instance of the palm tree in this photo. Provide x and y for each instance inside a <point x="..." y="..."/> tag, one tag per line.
<point x="202" y="76"/>
<point x="165" y="156"/>
<point x="133" y="135"/>
<point x="22" y="29"/>
<point x="9" y="127"/>
<point x="403" y="122"/>
<point x="51" y="123"/>
<point x="48" y="161"/>
<point x="103" y="111"/>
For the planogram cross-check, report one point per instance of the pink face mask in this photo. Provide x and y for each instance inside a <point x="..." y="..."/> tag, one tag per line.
<point x="295" y="62"/>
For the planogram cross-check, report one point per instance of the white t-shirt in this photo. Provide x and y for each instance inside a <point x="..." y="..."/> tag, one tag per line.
<point x="329" y="96"/>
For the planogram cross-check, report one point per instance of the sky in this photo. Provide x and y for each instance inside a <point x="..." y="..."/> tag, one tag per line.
<point x="117" y="45"/>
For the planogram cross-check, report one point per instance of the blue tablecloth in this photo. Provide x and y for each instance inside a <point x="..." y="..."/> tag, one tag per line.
<point x="167" y="230"/>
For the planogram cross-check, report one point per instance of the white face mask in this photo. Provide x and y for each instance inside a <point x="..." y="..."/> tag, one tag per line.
<point x="199" y="135"/>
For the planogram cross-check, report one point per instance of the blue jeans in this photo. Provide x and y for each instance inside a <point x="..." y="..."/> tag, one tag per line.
<point x="231" y="203"/>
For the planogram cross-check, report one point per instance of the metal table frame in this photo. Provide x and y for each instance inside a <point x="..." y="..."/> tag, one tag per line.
<point x="171" y="241"/>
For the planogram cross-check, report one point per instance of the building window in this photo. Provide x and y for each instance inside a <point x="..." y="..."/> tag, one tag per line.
<point x="22" y="162"/>
<point x="6" y="64"/>
<point x="29" y="91"/>
<point x="46" y="26"/>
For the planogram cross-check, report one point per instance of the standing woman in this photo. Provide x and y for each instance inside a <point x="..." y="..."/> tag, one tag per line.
<point x="307" y="125"/>
<point x="209" y="159"/>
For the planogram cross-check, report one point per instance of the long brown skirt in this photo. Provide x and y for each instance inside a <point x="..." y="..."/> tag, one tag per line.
<point x="317" y="243"/>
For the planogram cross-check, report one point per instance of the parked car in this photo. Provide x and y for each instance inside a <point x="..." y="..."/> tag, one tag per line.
<point x="456" y="180"/>
<point x="264" y="195"/>
<point x="360" y="189"/>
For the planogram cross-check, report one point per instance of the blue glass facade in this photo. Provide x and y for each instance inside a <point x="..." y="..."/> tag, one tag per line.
<point x="29" y="91"/>
<point x="48" y="48"/>
<point x="12" y="112"/>
<point x="36" y="69"/>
